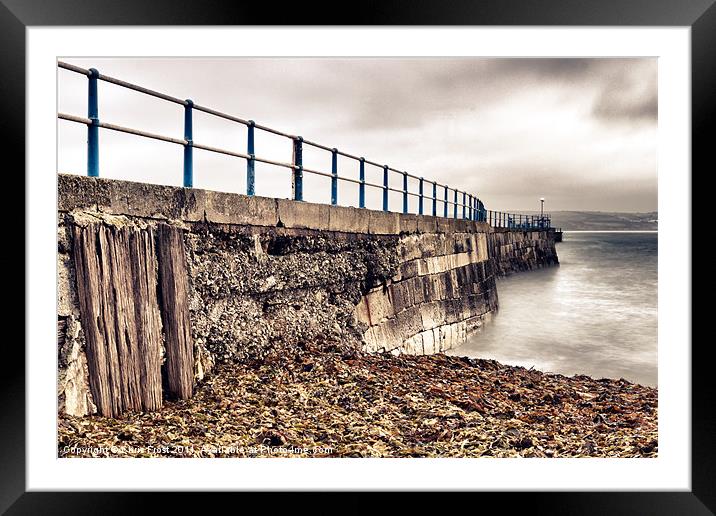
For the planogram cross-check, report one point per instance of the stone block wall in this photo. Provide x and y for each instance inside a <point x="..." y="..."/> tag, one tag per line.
<point x="443" y="291"/>
<point x="516" y="251"/>
<point x="264" y="272"/>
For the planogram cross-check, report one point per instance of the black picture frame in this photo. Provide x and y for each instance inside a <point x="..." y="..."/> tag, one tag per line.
<point x="700" y="15"/>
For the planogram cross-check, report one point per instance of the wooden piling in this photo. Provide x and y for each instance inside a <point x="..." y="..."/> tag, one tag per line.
<point x="149" y="321"/>
<point x="119" y="312"/>
<point x="173" y="288"/>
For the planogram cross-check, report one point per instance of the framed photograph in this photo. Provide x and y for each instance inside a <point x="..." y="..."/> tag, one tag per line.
<point x="444" y="249"/>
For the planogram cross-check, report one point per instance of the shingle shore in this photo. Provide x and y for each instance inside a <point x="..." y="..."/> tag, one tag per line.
<point x="325" y="401"/>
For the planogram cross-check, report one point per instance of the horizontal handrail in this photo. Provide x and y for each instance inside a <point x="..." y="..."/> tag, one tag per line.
<point x="450" y="198"/>
<point x="518" y="221"/>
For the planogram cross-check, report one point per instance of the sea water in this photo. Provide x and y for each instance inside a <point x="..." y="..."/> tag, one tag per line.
<point x="594" y="314"/>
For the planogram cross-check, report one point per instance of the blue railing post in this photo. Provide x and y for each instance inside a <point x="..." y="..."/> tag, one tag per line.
<point x="420" y="199"/>
<point x="405" y="192"/>
<point x="93" y="128"/>
<point x="445" y="203"/>
<point x="464" y="203"/>
<point x="385" y="187"/>
<point x="251" y="162"/>
<point x="435" y="199"/>
<point x="334" y="176"/>
<point x="361" y="187"/>
<point x="188" y="146"/>
<point x="454" y="214"/>
<point x="297" y="183"/>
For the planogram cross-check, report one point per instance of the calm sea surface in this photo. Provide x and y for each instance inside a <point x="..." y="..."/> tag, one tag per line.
<point x="594" y="314"/>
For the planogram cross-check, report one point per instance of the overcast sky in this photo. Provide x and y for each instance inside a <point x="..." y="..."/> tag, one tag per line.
<point x="579" y="132"/>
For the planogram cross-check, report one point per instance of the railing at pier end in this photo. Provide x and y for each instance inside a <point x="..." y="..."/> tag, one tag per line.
<point x="456" y="203"/>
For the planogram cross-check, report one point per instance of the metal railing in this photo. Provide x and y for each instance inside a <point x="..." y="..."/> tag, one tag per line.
<point x="455" y="203"/>
<point x="518" y="221"/>
<point x="463" y="205"/>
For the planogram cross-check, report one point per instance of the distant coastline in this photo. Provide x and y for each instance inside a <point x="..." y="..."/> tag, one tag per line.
<point x="601" y="221"/>
<point x="610" y="230"/>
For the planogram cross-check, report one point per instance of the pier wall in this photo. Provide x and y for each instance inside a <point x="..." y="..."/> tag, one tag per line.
<point x="517" y="251"/>
<point x="157" y="284"/>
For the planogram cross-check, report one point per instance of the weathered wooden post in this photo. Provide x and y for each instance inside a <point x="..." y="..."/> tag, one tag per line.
<point x="174" y="287"/>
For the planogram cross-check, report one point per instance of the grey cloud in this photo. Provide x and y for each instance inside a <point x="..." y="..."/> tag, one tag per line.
<point x="510" y="130"/>
<point x="406" y="93"/>
<point x="630" y="94"/>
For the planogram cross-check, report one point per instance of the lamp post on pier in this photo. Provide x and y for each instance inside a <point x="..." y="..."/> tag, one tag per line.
<point x="541" y="212"/>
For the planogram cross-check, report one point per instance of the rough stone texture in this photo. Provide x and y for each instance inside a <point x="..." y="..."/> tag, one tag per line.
<point x="346" y="219"/>
<point x="301" y="215"/>
<point x="515" y="251"/>
<point x="229" y="208"/>
<point x="443" y="281"/>
<point x="266" y="271"/>
<point x="250" y="290"/>
<point x="383" y="223"/>
<point x="73" y="391"/>
<point x="76" y="192"/>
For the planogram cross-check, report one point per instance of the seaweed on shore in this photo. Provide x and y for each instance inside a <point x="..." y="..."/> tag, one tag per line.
<point x="321" y="400"/>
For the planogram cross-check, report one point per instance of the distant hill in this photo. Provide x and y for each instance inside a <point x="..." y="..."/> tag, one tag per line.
<point x="604" y="221"/>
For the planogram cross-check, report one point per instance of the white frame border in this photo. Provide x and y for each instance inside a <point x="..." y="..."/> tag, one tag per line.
<point x="670" y="471"/>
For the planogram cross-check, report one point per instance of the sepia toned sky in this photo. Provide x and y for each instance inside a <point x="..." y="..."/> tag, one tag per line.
<point x="582" y="133"/>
